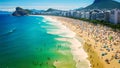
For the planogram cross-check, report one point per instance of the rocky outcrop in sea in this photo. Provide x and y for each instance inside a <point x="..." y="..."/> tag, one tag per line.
<point x="20" y="12"/>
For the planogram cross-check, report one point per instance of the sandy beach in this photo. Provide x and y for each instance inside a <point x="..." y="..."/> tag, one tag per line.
<point x="101" y="43"/>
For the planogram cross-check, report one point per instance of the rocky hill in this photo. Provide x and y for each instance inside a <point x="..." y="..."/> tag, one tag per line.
<point x="104" y="4"/>
<point x="20" y="12"/>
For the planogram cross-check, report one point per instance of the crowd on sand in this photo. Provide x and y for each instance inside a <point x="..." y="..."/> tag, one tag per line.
<point x="104" y="40"/>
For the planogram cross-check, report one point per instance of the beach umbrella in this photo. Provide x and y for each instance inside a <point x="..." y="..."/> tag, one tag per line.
<point x="104" y="46"/>
<point x="108" y="49"/>
<point x="118" y="61"/>
<point x="103" y="54"/>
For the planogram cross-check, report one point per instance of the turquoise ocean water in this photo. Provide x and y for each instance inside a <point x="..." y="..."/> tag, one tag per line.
<point x="25" y="42"/>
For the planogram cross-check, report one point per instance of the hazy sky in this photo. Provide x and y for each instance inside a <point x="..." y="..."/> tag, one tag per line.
<point x="45" y="4"/>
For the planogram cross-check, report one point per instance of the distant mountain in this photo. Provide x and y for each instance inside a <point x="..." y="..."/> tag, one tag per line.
<point x="21" y="12"/>
<point x="104" y="4"/>
<point x="79" y="8"/>
<point x="51" y="9"/>
<point x="36" y="10"/>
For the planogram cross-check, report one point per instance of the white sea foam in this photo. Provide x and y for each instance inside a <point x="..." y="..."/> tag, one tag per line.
<point x="79" y="55"/>
<point x="61" y="30"/>
<point x="44" y="20"/>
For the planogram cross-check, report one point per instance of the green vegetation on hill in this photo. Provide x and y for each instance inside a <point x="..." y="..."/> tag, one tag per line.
<point x="104" y="23"/>
<point x="21" y="12"/>
<point x="104" y="4"/>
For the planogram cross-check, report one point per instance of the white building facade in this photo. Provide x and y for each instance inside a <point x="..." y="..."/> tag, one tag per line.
<point x="115" y="16"/>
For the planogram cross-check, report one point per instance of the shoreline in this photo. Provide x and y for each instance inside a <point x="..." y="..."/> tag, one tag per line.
<point x="79" y="55"/>
<point x="100" y="41"/>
